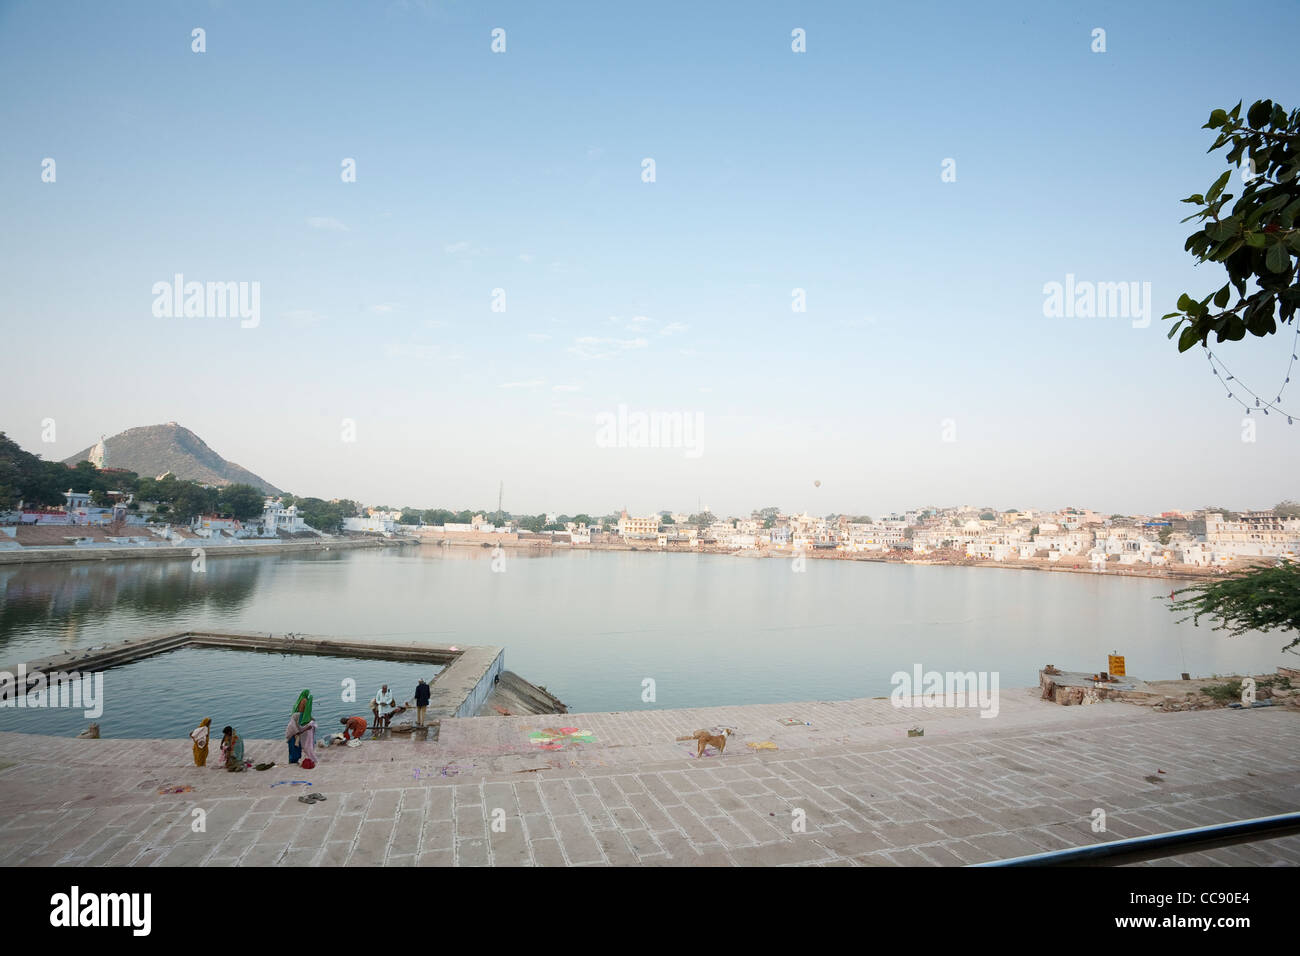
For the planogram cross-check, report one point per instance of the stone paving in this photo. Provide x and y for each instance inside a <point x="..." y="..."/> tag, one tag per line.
<point x="971" y="789"/>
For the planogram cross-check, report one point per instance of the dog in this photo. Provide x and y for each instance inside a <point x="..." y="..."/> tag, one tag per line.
<point x="706" y="739"/>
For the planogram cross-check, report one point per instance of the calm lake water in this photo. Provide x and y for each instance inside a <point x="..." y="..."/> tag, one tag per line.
<point x="590" y="626"/>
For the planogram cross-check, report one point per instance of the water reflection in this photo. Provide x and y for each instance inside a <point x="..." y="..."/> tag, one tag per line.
<point x="66" y="597"/>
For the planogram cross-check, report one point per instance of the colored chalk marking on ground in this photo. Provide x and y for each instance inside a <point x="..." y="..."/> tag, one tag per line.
<point x="761" y="745"/>
<point x="790" y="721"/>
<point x="553" y="739"/>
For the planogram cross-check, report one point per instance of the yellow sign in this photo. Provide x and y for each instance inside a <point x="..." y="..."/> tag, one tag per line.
<point x="1115" y="665"/>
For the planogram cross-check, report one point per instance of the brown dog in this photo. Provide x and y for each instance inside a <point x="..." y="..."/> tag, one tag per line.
<point x="706" y="739"/>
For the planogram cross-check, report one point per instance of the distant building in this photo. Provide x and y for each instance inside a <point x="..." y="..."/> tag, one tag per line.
<point x="374" y="524"/>
<point x="277" y="519"/>
<point x="630" y="527"/>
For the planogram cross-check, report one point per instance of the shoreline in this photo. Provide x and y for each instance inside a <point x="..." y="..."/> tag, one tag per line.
<point x="51" y="555"/>
<point x="55" y="555"/>
<point x="1180" y="573"/>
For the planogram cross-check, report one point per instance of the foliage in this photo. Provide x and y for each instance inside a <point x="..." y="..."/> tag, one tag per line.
<point x="326" y="516"/>
<point x="28" y="478"/>
<point x="1258" y="241"/>
<point x="241" y="501"/>
<point x="1287" y="509"/>
<point x="1263" y="599"/>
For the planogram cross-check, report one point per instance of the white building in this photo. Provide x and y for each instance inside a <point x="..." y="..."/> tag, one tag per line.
<point x="277" y="519"/>
<point x="1254" y="534"/>
<point x="374" y="524"/>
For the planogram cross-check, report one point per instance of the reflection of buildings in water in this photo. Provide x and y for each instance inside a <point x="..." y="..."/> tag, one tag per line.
<point x="67" y="597"/>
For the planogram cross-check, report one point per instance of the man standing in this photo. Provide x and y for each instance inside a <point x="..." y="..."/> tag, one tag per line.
<point x="385" y="706"/>
<point x="421" y="701"/>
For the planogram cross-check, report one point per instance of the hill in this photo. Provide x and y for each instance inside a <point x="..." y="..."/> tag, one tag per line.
<point x="152" y="450"/>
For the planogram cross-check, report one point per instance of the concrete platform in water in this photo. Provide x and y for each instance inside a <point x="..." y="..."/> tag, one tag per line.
<point x="469" y="675"/>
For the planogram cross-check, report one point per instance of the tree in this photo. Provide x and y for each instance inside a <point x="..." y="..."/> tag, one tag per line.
<point x="1259" y="240"/>
<point x="1265" y="599"/>
<point x="1287" y="509"/>
<point x="242" y="501"/>
<point x="193" y="499"/>
<point x="583" y="519"/>
<point x="666" y="519"/>
<point x="320" y="515"/>
<point x="28" y="478"/>
<point x="410" y="516"/>
<point x="1228" y="513"/>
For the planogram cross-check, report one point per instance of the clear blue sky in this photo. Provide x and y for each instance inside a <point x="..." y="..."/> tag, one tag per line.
<point x="522" y="171"/>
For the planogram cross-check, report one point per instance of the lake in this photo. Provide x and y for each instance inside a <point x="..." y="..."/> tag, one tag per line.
<point x="592" y="626"/>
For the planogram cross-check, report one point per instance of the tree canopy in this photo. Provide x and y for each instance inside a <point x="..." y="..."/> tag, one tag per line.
<point x="1257" y="242"/>
<point x="1265" y="599"/>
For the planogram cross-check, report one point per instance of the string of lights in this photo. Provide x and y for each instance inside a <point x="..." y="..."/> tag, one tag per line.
<point x="1216" y="364"/>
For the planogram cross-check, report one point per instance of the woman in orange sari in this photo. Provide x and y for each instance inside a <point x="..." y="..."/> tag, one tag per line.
<point x="200" y="737"/>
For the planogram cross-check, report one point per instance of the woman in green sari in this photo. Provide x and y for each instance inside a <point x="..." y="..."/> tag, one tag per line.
<point x="232" y="750"/>
<point x="301" y="732"/>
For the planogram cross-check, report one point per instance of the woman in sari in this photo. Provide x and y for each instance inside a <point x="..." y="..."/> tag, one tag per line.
<point x="301" y="732"/>
<point x="232" y="750"/>
<point x="200" y="737"/>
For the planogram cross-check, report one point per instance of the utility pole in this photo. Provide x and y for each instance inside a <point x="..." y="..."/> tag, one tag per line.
<point x="500" y="492"/>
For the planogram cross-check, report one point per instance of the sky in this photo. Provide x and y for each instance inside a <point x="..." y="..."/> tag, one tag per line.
<point x="500" y="278"/>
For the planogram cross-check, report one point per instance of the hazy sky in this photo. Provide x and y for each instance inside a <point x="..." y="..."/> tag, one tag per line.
<point x="523" y="171"/>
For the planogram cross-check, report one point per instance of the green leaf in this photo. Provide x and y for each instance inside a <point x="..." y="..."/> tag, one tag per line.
<point x="1217" y="119"/>
<point x="1221" y="297"/>
<point x="1188" y="338"/>
<point x="1278" y="260"/>
<point x="1185" y="302"/>
<point x="1218" y="186"/>
<point x="1258" y="114"/>
<point x="1287" y="216"/>
<point x="1227" y="249"/>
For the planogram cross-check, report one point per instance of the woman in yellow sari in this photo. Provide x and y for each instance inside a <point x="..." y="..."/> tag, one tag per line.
<point x="200" y="737"/>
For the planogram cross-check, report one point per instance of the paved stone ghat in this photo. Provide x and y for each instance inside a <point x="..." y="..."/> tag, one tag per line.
<point x="823" y="784"/>
<point x="460" y="689"/>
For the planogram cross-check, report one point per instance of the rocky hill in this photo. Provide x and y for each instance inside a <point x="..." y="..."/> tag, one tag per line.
<point x="153" y="450"/>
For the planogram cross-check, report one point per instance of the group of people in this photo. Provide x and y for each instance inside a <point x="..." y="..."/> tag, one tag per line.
<point x="300" y="733"/>
<point x="232" y="746"/>
<point x="384" y="708"/>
